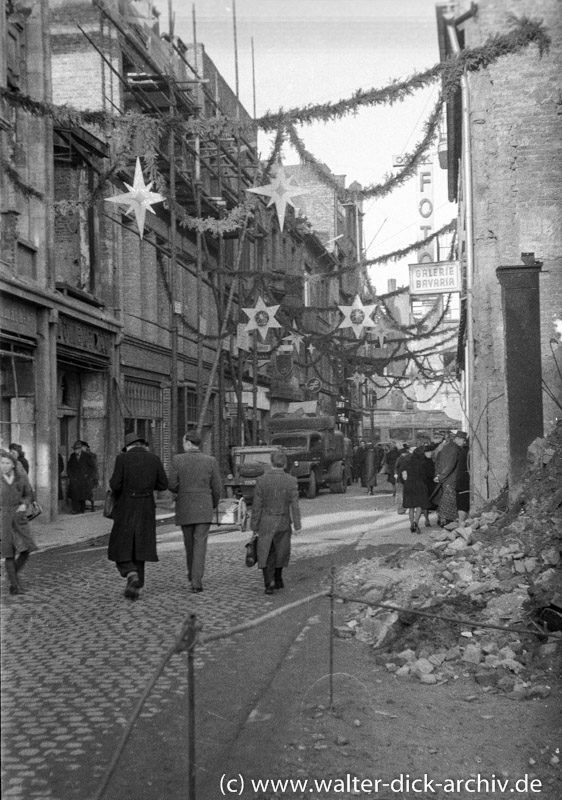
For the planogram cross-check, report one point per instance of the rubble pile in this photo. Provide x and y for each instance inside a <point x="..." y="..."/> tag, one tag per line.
<point x="502" y="569"/>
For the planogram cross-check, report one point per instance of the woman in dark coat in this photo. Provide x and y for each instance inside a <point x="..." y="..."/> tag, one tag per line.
<point x="16" y="494"/>
<point x="416" y="496"/>
<point x="390" y="462"/>
<point x="81" y="470"/>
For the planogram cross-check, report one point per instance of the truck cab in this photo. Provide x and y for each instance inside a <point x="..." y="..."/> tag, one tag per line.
<point x="316" y="453"/>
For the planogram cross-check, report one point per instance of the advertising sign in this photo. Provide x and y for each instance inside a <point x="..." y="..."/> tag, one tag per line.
<point x="438" y="277"/>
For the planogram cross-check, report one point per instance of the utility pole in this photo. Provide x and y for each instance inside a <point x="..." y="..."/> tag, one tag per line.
<point x="173" y="254"/>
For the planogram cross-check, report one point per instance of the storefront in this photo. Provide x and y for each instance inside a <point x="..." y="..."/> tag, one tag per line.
<point x="83" y="385"/>
<point x="18" y="363"/>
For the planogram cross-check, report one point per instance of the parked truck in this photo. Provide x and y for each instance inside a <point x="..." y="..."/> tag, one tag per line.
<point x="319" y="456"/>
<point x="248" y="463"/>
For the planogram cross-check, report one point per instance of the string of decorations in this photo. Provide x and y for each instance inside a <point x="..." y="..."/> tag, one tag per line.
<point x="390" y="182"/>
<point x="13" y="175"/>
<point x="525" y="32"/>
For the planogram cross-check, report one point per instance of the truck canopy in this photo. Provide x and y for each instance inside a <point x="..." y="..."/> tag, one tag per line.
<point x="300" y="423"/>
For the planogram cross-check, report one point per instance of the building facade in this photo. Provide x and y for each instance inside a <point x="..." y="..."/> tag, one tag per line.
<point x="504" y="156"/>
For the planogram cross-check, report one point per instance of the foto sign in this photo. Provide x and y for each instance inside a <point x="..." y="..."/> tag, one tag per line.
<point x="437" y="277"/>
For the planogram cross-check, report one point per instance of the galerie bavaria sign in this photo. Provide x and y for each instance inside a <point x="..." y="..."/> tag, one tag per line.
<point x="437" y="277"/>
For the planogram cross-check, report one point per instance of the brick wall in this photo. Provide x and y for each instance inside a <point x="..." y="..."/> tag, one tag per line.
<point x="517" y="193"/>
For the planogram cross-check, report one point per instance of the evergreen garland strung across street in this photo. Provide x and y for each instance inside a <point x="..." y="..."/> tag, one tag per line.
<point x="526" y="32"/>
<point x="391" y="182"/>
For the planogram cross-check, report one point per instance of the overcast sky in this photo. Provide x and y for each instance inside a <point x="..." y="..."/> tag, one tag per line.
<point x="314" y="51"/>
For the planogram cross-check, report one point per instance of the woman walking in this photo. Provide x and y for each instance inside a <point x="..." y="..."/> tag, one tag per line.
<point x="17" y="541"/>
<point x="416" y="496"/>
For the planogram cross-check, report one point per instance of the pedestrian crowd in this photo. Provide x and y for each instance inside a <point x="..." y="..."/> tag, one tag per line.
<point x="429" y="477"/>
<point x="433" y="476"/>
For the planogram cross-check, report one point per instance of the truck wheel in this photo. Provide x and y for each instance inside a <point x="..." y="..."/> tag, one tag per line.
<point x="311" y="489"/>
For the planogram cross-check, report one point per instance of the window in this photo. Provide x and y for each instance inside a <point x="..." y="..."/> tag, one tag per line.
<point x="26" y="260"/>
<point x="15" y="53"/>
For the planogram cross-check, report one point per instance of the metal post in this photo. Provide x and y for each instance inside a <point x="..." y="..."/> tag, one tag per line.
<point x="332" y="589"/>
<point x="173" y="256"/>
<point x="190" y="641"/>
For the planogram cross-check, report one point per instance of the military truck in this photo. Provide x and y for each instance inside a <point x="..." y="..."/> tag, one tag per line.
<point x="247" y="464"/>
<point x="318" y="454"/>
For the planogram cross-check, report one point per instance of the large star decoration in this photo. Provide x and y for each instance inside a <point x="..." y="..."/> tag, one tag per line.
<point x="139" y="197"/>
<point x="281" y="192"/>
<point x="357" y="378"/>
<point x="357" y="316"/>
<point x="262" y="318"/>
<point x="294" y="341"/>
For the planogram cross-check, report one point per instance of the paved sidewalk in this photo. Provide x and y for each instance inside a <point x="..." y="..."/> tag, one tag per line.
<point x="91" y="526"/>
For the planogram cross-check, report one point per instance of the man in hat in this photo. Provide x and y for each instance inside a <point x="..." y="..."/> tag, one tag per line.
<point x="95" y="477"/>
<point x="136" y="476"/>
<point x="195" y="479"/>
<point x="81" y="471"/>
<point x="446" y="467"/>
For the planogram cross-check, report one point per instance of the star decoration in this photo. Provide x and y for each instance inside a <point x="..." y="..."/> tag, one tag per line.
<point x="357" y="378"/>
<point x="311" y="349"/>
<point x="381" y="329"/>
<point x="281" y="192"/>
<point x="262" y="318"/>
<point x="139" y="197"/>
<point x="294" y="340"/>
<point x="357" y="316"/>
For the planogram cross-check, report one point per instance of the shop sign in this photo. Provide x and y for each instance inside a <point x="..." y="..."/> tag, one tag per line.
<point x="18" y="317"/>
<point x="81" y="336"/>
<point x="313" y="385"/>
<point x="438" y="277"/>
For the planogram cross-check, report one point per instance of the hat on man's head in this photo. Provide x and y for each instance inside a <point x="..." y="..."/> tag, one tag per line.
<point x="460" y="435"/>
<point x="77" y="443"/>
<point x="132" y="438"/>
<point x="84" y="444"/>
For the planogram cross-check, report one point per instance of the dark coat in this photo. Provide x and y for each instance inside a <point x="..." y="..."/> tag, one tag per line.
<point x="275" y="505"/>
<point x="81" y="472"/>
<point x="447" y="463"/>
<point x="416" y="494"/>
<point x="16" y="536"/>
<point x="196" y="479"/>
<point x="136" y="476"/>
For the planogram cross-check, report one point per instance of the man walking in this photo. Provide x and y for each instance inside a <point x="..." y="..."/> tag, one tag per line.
<point x="81" y="471"/>
<point x="195" y="479"/>
<point x="275" y="506"/>
<point x="136" y="476"/>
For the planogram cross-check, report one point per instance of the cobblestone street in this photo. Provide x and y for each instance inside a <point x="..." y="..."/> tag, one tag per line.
<point x="77" y="655"/>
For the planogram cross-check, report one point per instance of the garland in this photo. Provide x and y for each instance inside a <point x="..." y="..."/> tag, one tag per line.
<point x="12" y="173"/>
<point x="391" y="182"/>
<point x="526" y="32"/>
<point x="142" y="133"/>
<point x="396" y="255"/>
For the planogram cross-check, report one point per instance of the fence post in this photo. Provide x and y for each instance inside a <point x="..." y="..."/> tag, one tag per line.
<point x="332" y="584"/>
<point x="190" y="643"/>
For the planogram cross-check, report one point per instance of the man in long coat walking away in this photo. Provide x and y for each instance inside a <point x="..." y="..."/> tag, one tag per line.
<point x="195" y="478"/>
<point x="275" y="506"/>
<point x="81" y="471"/>
<point x="132" y="542"/>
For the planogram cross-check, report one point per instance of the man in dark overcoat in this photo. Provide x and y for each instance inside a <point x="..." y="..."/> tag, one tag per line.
<point x="275" y="506"/>
<point x="196" y="480"/>
<point x="136" y="476"/>
<point x="81" y="471"/>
